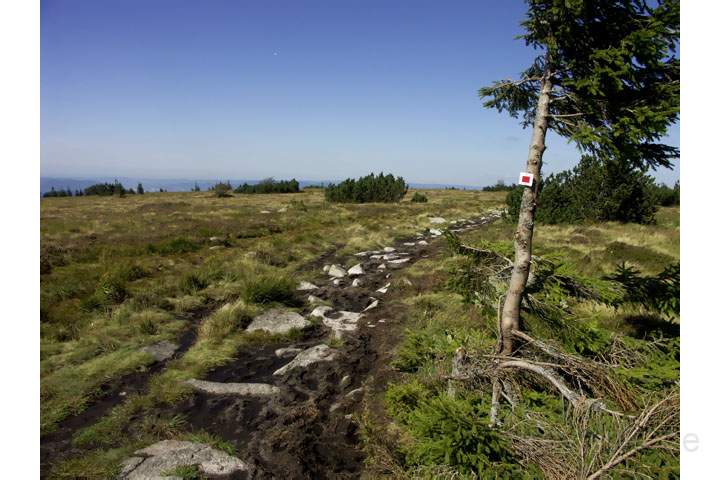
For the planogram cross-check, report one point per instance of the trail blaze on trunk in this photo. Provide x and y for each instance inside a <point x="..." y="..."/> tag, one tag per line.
<point x="510" y="319"/>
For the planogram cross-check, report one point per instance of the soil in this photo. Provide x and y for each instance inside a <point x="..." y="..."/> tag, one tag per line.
<point x="57" y="445"/>
<point x="307" y="431"/>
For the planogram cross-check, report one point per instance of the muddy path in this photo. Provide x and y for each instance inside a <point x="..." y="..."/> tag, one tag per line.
<point x="307" y="430"/>
<point x="57" y="445"/>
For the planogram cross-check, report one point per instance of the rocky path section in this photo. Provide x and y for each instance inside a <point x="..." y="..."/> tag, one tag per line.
<point x="57" y="444"/>
<point x="300" y="426"/>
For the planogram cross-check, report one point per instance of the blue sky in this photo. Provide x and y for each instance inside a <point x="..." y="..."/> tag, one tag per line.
<point x="305" y="89"/>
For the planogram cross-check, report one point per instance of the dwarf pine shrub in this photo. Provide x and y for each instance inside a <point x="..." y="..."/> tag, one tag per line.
<point x="371" y="188"/>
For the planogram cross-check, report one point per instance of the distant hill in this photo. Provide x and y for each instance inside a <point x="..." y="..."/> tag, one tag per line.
<point x="184" y="185"/>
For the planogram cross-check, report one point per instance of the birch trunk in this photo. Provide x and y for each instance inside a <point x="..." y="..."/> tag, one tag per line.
<point x="510" y="318"/>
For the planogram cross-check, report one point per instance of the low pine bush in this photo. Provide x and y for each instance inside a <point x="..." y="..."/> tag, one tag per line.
<point x="371" y="188"/>
<point x="419" y="198"/>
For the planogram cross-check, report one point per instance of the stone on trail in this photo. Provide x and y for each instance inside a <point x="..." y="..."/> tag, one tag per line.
<point x="409" y="244"/>
<point x="305" y="286"/>
<point x="389" y="249"/>
<point x="399" y="261"/>
<point x="357" y="283"/>
<point x="339" y="322"/>
<point x="382" y="266"/>
<point x="217" y="247"/>
<point x="437" y="220"/>
<point x="435" y="232"/>
<point x="161" y="351"/>
<point x="287" y="352"/>
<point x="422" y="242"/>
<point x="312" y="299"/>
<point x="356" y="270"/>
<point x="220" y="388"/>
<point x="345" y="381"/>
<point x="216" y="239"/>
<point x="337" y="282"/>
<point x="326" y="268"/>
<point x="318" y="353"/>
<point x="265" y="211"/>
<point x="383" y="289"/>
<point x="278" y="320"/>
<point x="282" y="210"/>
<point x="155" y="461"/>
<point x="375" y="303"/>
<point x="337" y="271"/>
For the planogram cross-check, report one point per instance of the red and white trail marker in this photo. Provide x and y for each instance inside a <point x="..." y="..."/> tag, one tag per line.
<point x="526" y="179"/>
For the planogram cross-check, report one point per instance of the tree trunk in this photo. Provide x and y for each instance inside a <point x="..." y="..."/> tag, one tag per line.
<point x="510" y="319"/>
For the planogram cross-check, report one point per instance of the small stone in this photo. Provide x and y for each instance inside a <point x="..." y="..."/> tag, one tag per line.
<point x="216" y="239"/>
<point x="356" y="270"/>
<point x="161" y="351"/>
<point x="312" y="299"/>
<point x="381" y="266"/>
<point x="399" y="261"/>
<point x="217" y="247"/>
<point x="318" y="353"/>
<point x="339" y="322"/>
<point x="278" y="320"/>
<point x="409" y="244"/>
<point x="382" y="320"/>
<point x="407" y="282"/>
<point x="305" y="286"/>
<point x="383" y="289"/>
<point x="122" y="394"/>
<point x="287" y="352"/>
<point x="355" y="395"/>
<point x="372" y="305"/>
<point x="337" y="271"/>
<point x="265" y="211"/>
<point x="422" y="242"/>
<point x="437" y="220"/>
<point x="337" y="282"/>
<point x="345" y="381"/>
<point x="389" y="249"/>
<point x="357" y="283"/>
<point x="371" y="325"/>
<point x="435" y="232"/>
<point x="326" y="268"/>
<point x="282" y="210"/>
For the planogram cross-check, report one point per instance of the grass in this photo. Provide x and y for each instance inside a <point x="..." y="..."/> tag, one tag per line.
<point x="121" y="273"/>
<point x="422" y="434"/>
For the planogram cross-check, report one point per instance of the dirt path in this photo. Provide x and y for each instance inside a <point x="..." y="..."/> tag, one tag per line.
<point x="57" y="444"/>
<point x="305" y="431"/>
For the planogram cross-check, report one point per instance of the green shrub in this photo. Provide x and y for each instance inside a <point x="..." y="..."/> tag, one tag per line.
<point x="592" y="191"/>
<point x="268" y="288"/>
<point x="455" y="432"/>
<point x="176" y="245"/>
<point x="419" y="198"/>
<point x="222" y="190"/>
<point x="660" y="293"/>
<point x="270" y="185"/>
<point x="371" y="188"/>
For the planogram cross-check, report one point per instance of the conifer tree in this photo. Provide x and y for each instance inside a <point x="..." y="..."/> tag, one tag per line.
<point x="607" y="79"/>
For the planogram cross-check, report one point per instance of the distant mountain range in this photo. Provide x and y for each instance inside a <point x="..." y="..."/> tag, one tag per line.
<point x="184" y="185"/>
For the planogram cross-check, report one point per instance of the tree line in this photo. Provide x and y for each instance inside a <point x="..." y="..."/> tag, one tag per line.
<point x="101" y="189"/>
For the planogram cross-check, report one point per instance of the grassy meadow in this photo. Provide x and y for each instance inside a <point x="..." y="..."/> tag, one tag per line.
<point x="120" y="273"/>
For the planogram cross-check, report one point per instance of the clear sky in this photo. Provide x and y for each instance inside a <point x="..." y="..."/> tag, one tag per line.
<point x="293" y="88"/>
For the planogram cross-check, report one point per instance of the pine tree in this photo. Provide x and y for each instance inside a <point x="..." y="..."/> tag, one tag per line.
<point x="607" y="79"/>
<point x="140" y="189"/>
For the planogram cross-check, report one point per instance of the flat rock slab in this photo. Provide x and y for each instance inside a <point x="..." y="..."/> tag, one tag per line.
<point x="157" y="460"/>
<point x="161" y="351"/>
<point x="339" y="322"/>
<point x="437" y="220"/>
<point x="318" y="353"/>
<point x="278" y="320"/>
<point x="219" y="388"/>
